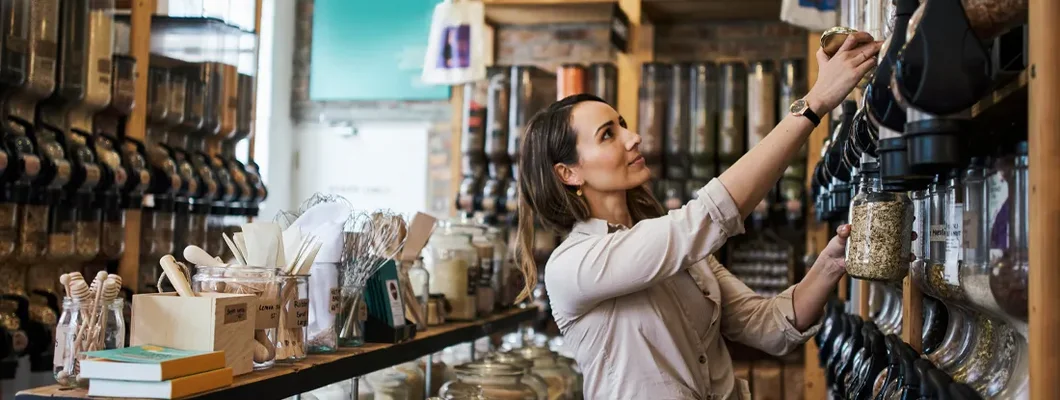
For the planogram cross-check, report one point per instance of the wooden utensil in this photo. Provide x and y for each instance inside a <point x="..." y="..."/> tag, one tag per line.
<point x="176" y="276"/>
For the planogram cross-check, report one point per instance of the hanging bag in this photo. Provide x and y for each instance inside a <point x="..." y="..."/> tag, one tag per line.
<point x="455" y="44"/>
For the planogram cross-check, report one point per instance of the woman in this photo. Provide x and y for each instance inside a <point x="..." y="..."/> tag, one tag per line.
<point x="636" y="293"/>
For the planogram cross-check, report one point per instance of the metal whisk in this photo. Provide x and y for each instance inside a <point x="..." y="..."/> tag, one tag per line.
<point x="371" y="240"/>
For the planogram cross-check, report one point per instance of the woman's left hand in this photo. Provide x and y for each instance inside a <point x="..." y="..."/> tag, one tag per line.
<point x="833" y="257"/>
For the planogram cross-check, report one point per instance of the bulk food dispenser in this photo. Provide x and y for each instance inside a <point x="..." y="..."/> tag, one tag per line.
<point x="28" y="76"/>
<point x="186" y="143"/>
<point x="211" y="125"/>
<point x="240" y="111"/>
<point x="158" y="221"/>
<point x="170" y="138"/>
<point x="499" y="167"/>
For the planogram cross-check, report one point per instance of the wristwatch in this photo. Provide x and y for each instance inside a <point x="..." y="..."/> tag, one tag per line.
<point x="801" y="108"/>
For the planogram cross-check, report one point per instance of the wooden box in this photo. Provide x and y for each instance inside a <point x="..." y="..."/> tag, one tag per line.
<point x="210" y="322"/>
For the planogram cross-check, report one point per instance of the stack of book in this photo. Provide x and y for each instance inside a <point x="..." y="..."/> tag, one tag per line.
<point x="154" y="372"/>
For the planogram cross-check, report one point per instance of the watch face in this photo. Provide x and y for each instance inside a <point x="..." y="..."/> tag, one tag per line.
<point x="798" y="107"/>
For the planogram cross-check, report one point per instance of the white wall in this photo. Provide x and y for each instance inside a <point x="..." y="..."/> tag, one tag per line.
<point x="377" y="165"/>
<point x="275" y="144"/>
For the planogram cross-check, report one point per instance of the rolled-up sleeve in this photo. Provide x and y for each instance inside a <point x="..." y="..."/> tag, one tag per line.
<point x="589" y="268"/>
<point x="766" y="324"/>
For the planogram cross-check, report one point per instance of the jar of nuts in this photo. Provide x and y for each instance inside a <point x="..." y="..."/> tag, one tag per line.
<point x="881" y="227"/>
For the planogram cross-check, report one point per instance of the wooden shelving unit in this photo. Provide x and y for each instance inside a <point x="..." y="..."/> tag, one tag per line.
<point x="284" y="380"/>
<point x="141" y="14"/>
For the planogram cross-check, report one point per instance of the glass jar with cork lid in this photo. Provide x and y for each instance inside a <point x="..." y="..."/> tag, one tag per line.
<point x="493" y="381"/>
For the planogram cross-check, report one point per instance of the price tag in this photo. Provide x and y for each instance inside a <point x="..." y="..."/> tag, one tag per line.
<point x="336" y="300"/>
<point x="268" y="315"/>
<point x="235" y="313"/>
<point x="298" y="314"/>
<point x="954" y="243"/>
<point x="60" y="345"/>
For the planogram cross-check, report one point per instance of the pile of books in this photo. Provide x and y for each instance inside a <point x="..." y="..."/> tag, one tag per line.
<point x="154" y="372"/>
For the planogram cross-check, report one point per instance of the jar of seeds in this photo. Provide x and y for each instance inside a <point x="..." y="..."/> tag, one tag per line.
<point x="881" y="226"/>
<point x="1008" y="282"/>
<point x="940" y="276"/>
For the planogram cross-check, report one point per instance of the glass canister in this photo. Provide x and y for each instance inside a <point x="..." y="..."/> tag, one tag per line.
<point x="257" y="281"/>
<point x="291" y="334"/>
<point x="732" y="104"/>
<point x="939" y="274"/>
<point x="88" y="230"/>
<point x="453" y="265"/>
<point x="881" y="227"/>
<point x="73" y="336"/>
<point x="112" y="232"/>
<point x="560" y="378"/>
<point x="501" y="272"/>
<point x="703" y="120"/>
<point x="496" y="381"/>
<point x="389" y="384"/>
<point x="978" y="218"/>
<point x="485" y="295"/>
<point x="325" y="297"/>
<point x="531" y="379"/>
<point x="420" y="280"/>
<point x="415" y="377"/>
<point x="578" y="381"/>
<point x="653" y="95"/>
<point x="1008" y="282"/>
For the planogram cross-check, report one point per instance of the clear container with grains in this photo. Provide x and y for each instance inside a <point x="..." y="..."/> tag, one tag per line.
<point x="453" y="264"/>
<point x="536" y="382"/>
<point x="88" y="231"/>
<point x="32" y="233"/>
<point x="389" y="384"/>
<point x="1008" y="282"/>
<point x="9" y="212"/>
<point x="978" y="218"/>
<point x="82" y="328"/>
<point x="325" y="298"/>
<point x="257" y="281"/>
<point x="653" y="95"/>
<point x="62" y="225"/>
<point x="881" y="227"/>
<point x="939" y="275"/>
<point x="559" y="377"/>
<point x="291" y="333"/>
<point x="497" y="382"/>
<point x="732" y="106"/>
<point x="112" y="233"/>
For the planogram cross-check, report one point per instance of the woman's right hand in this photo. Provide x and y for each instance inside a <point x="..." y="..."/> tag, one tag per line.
<point x="837" y="75"/>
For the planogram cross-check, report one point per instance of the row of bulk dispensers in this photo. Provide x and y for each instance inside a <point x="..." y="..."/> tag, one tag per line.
<point x="919" y="150"/>
<point x="69" y="172"/>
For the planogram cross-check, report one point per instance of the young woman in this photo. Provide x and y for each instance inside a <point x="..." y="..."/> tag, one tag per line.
<point x="635" y="292"/>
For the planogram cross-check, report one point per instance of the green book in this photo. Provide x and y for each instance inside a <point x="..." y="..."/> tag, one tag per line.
<point x="149" y="363"/>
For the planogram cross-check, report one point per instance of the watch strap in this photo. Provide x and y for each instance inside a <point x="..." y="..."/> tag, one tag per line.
<point x="812" y="116"/>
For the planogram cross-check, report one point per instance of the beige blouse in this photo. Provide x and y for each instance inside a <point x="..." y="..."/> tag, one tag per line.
<point x="644" y="309"/>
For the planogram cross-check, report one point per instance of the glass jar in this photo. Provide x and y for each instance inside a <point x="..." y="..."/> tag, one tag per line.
<point x="158" y="225"/>
<point x="33" y="233"/>
<point x="1008" y="282"/>
<point x="325" y="297"/>
<point x="976" y="270"/>
<point x="420" y="281"/>
<point x="578" y="382"/>
<point x="87" y="233"/>
<point x="112" y="234"/>
<point x="69" y="346"/>
<point x="389" y="384"/>
<point x="496" y="381"/>
<point x="703" y="119"/>
<point x="62" y="224"/>
<point x="732" y="104"/>
<point x="257" y="281"/>
<point x="939" y="275"/>
<point x="415" y="377"/>
<point x="559" y="377"/>
<point x="485" y="296"/>
<point x="536" y="382"/>
<point x="291" y="333"/>
<point x="653" y="95"/>
<point x="881" y="227"/>
<point x="449" y="258"/>
<point x="9" y="216"/>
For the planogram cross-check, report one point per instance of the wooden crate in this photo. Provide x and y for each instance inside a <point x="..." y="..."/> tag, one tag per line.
<point x="210" y="322"/>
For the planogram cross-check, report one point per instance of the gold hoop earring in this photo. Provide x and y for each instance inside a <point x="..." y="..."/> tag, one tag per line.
<point x="579" y="192"/>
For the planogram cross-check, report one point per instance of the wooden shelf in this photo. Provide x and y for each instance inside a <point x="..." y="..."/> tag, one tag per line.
<point x="543" y="12"/>
<point x="285" y="380"/>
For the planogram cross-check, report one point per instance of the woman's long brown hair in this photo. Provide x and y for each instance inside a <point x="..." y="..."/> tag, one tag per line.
<point x="543" y="198"/>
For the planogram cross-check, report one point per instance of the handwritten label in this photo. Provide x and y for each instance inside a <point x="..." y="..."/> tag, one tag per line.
<point x="938" y="233"/>
<point x="268" y="315"/>
<point x="297" y="314"/>
<point x="336" y="300"/>
<point x="235" y="313"/>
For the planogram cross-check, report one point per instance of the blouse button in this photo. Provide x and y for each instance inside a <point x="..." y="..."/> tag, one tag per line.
<point x="702" y="359"/>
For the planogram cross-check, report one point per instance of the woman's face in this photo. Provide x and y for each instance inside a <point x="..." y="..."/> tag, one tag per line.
<point x="608" y="154"/>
